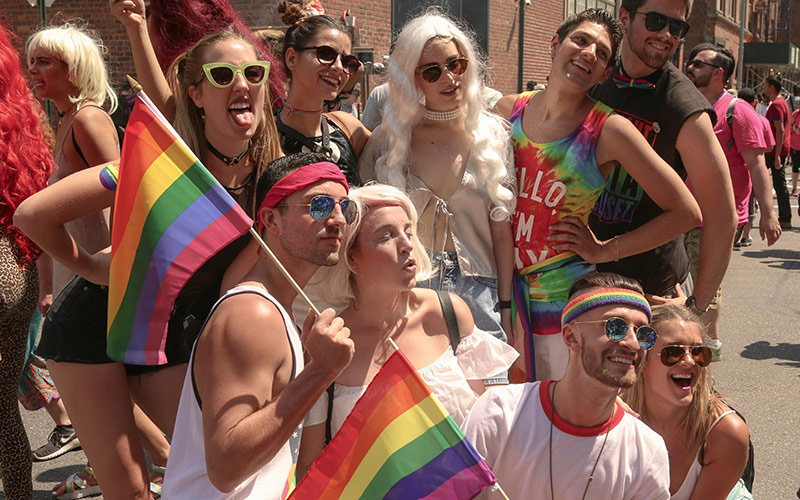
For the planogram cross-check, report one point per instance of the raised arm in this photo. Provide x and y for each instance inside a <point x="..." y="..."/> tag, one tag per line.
<point x="43" y="216"/>
<point x="131" y="13"/>
<point x="769" y="227"/>
<point x="620" y="142"/>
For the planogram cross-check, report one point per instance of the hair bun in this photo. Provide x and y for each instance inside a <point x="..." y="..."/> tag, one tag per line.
<point x="293" y="12"/>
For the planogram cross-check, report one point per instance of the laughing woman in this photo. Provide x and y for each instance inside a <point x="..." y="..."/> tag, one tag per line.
<point x="706" y="440"/>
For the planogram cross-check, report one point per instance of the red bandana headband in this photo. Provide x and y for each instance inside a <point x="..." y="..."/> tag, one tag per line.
<point x="300" y="179"/>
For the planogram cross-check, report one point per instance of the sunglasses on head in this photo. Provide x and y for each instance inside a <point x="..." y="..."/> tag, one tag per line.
<point x="222" y="74"/>
<point x="655" y="21"/>
<point x="617" y="329"/>
<point x="327" y="55"/>
<point x="671" y="355"/>
<point x="432" y="72"/>
<point x="321" y="207"/>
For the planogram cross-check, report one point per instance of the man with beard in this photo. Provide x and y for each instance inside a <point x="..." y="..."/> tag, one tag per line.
<point x="247" y="390"/>
<point x="744" y="143"/>
<point x="675" y="119"/>
<point x="570" y="438"/>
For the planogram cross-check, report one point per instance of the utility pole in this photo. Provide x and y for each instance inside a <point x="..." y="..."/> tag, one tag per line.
<point x="740" y="66"/>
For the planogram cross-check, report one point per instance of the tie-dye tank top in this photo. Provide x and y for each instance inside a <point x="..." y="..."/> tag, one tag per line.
<point x="554" y="180"/>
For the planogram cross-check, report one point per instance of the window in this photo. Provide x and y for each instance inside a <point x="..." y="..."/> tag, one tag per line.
<point x="475" y="13"/>
<point x="575" y="6"/>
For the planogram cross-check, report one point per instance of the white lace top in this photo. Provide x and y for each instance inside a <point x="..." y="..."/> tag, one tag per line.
<point x="478" y="356"/>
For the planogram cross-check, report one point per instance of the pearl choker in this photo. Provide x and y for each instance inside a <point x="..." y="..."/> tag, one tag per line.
<point x="443" y="116"/>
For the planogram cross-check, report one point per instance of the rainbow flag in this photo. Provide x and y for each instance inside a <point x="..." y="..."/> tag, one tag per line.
<point x="397" y="443"/>
<point x="170" y="216"/>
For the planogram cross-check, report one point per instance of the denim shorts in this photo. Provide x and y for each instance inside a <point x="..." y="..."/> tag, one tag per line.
<point x="480" y="294"/>
<point x="74" y="330"/>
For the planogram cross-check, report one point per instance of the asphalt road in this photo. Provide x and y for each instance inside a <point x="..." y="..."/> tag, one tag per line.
<point x="759" y="372"/>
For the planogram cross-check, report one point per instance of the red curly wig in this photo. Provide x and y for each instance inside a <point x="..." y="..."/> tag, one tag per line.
<point x="175" y="26"/>
<point x="25" y="159"/>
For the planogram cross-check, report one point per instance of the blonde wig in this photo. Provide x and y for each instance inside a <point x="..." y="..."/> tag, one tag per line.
<point x="337" y="284"/>
<point x="82" y="51"/>
<point x="705" y="402"/>
<point x="490" y="151"/>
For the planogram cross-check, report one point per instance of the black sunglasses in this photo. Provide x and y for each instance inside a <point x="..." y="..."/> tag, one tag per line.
<point x="321" y="207"/>
<point x="327" y="55"/>
<point x="432" y="72"/>
<point x="617" y="328"/>
<point x="655" y="21"/>
<point x="697" y="62"/>
<point x="671" y="355"/>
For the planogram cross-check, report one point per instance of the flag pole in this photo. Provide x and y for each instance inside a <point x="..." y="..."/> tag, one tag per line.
<point x="283" y="270"/>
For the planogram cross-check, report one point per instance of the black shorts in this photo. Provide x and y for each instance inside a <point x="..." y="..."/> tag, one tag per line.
<point x="74" y="330"/>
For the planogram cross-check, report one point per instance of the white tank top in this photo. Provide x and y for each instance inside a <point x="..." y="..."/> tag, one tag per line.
<point x="186" y="475"/>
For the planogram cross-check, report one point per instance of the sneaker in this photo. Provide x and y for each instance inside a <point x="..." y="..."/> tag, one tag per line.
<point x="793" y="194"/>
<point x="62" y="440"/>
<point x="716" y="352"/>
<point x="787" y="225"/>
<point x="746" y="242"/>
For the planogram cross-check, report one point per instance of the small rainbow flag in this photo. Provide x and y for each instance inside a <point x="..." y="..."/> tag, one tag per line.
<point x="397" y="443"/>
<point x="170" y="216"/>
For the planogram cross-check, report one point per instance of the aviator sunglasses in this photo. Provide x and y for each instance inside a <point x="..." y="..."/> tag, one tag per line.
<point x="655" y="21"/>
<point x="617" y="328"/>
<point x="432" y="72"/>
<point x="327" y="55"/>
<point x="222" y="74"/>
<point x="671" y="355"/>
<point x="321" y="207"/>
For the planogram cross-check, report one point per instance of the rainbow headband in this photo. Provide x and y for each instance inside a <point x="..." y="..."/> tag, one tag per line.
<point x="603" y="297"/>
<point x="299" y="179"/>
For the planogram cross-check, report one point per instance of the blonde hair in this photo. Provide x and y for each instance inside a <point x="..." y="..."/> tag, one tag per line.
<point x="490" y="149"/>
<point x="82" y="51"/>
<point x="187" y="70"/>
<point x="705" y="402"/>
<point x="336" y="283"/>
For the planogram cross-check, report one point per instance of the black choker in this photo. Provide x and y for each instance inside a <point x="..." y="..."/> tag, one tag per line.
<point x="228" y="160"/>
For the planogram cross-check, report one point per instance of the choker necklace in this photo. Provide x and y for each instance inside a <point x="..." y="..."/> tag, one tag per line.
<point x="443" y="116"/>
<point x="228" y="160"/>
<point x="292" y="110"/>
<point x="550" y="446"/>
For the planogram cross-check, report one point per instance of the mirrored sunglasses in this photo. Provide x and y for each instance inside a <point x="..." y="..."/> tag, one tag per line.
<point x="321" y="207"/>
<point x="222" y="74"/>
<point x="617" y="328"/>
<point x="432" y="72"/>
<point x="655" y="21"/>
<point x="327" y="55"/>
<point x="671" y="355"/>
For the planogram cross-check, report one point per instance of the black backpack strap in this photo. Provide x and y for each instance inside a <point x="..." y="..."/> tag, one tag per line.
<point x="449" y="318"/>
<point x="328" y="433"/>
<point x="729" y="119"/>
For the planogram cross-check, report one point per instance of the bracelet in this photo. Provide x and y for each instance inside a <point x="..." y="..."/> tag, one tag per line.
<point x="616" y="248"/>
<point x="502" y="304"/>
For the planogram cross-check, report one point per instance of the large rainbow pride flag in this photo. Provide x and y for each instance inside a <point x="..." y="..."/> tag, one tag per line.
<point x="170" y="216"/>
<point x="397" y="443"/>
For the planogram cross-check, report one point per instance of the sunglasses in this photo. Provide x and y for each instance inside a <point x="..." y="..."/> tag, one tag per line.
<point x="321" y="207"/>
<point x="697" y="62"/>
<point x="222" y="74"/>
<point x="671" y="355"/>
<point x="432" y="72"/>
<point x="654" y="21"/>
<point x="328" y="55"/>
<point x="617" y="328"/>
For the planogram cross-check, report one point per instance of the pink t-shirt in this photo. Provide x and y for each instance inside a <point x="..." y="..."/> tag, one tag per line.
<point x="748" y="133"/>
<point x="794" y="141"/>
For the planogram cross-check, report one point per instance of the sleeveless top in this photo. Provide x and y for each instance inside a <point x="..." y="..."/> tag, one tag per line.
<point x="554" y="180"/>
<point x="689" y="482"/>
<point x="342" y="152"/>
<point x="187" y="476"/>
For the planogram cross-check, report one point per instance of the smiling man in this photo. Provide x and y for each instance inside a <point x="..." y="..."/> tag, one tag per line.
<point x="247" y="388"/>
<point x="675" y="119"/>
<point x="569" y="438"/>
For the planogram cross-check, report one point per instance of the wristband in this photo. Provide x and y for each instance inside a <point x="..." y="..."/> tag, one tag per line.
<point x="502" y="304"/>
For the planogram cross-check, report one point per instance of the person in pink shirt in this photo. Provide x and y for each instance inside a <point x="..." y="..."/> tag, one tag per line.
<point x="794" y="145"/>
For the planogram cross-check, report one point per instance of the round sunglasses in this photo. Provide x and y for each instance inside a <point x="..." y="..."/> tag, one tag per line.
<point x="432" y="72"/>
<point x="617" y="328"/>
<point x="328" y="55"/>
<point x="321" y="207"/>
<point x="655" y="21"/>
<point x="671" y="355"/>
<point x="222" y="74"/>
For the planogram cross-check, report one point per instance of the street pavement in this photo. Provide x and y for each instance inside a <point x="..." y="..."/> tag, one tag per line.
<point x="759" y="372"/>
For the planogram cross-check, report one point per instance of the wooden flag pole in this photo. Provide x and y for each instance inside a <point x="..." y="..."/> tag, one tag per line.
<point x="283" y="270"/>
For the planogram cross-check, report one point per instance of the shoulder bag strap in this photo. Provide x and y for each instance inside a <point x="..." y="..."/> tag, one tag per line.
<point x="449" y="318"/>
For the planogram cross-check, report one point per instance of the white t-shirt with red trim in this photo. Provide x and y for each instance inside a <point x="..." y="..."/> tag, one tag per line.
<point x="510" y="428"/>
